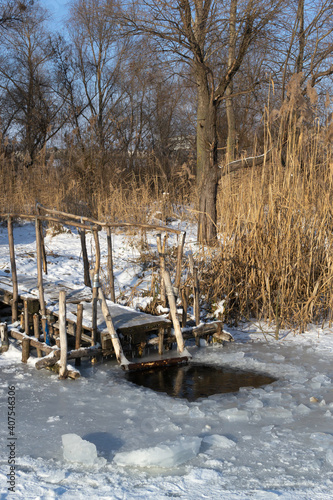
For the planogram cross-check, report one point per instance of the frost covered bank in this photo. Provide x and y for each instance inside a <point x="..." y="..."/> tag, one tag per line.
<point x="272" y="442"/>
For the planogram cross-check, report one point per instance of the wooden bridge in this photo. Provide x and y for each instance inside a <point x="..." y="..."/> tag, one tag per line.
<point x="56" y="316"/>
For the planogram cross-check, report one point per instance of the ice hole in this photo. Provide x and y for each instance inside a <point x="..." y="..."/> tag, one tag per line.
<point x="196" y="381"/>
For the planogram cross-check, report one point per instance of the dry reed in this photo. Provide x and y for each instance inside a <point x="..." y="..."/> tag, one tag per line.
<point x="275" y="221"/>
<point x="276" y="261"/>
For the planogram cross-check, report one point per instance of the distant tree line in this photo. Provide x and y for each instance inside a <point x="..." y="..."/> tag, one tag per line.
<point x="162" y="80"/>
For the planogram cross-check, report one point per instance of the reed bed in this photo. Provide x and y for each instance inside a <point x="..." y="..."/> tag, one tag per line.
<point x="275" y="258"/>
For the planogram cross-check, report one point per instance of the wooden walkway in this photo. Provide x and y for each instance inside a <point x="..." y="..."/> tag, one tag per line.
<point x="58" y="315"/>
<point x="126" y="321"/>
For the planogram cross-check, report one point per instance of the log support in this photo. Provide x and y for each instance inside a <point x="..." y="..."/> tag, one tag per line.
<point x="4" y="337"/>
<point x="36" y="332"/>
<point x="63" y="335"/>
<point x="25" y="349"/>
<point x="78" y="331"/>
<point x="173" y="311"/>
<point x="13" y="270"/>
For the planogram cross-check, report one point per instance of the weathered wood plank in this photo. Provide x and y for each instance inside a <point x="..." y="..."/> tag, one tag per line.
<point x="4" y="337"/>
<point x="33" y="342"/>
<point x="173" y="311"/>
<point x="63" y="335"/>
<point x="13" y="269"/>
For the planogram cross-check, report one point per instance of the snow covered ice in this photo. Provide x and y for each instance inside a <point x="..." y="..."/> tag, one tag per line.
<point x="164" y="455"/>
<point x="219" y="441"/>
<point x="274" y="442"/>
<point x="79" y="450"/>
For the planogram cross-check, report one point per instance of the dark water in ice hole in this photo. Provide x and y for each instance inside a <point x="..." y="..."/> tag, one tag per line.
<point x="196" y="381"/>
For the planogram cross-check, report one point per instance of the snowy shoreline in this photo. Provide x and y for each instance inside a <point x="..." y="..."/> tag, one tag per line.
<point x="282" y="432"/>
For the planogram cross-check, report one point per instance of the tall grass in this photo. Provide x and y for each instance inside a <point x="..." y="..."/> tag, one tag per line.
<point x="83" y="185"/>
<point x="276" y="224"/>
<point x="275" y="261"/>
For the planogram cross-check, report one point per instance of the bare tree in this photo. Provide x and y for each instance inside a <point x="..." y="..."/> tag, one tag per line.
<point x="197" y="32"/>
<point x="27" y="83"/>
<point x="97" y="58"/>
<point x="307" y="46"/>
<point x="12" y="12"/>
<point x="231" y="141"/>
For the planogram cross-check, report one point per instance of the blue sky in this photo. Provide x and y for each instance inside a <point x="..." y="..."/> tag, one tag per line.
<point x="57" y="8"/>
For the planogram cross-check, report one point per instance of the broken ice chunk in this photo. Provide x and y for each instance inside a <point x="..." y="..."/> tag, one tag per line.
<point x="219" y="441"/>
<point x="76" y="449"/>
<point x="234" y="415"/>
<point x="164" y="455"/>
<point x="329" y="457"/>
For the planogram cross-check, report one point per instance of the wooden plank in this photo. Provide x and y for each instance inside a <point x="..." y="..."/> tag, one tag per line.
<point x="33" y="342"/>
<point x="4" y="337"/>
<point x="160" y="340"/>
<point x="196" y="293"/>
<point x="114" y="336"/>
<point x="63" y="335"/>
<point x="96" y="287"/>
<point x="162" y="268"/>
<point x="42" y="241"/>
<point x="26" y="317"/>
<point x="13" y="270"/>
<point x="179" y="260"/>
<point x="54" y="356"/>
<point x="148" y="365"/>
<point x="184" y="296"/>
<point x="36" y="332"/>
<point x="87" y="281"/>
<point x="173" y="311"/>
<point x="126" y="320"/>
<point x="110" y="264"/>
<point x="78" y="332"/>
<point x="40" y="277"/>
<point x="108" y="224"/>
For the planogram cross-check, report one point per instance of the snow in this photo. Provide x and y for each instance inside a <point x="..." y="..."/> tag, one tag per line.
<point x="76" y="449"/>
<point x="274" y="442"/>
<point x="219" y="441"/>
<point x="166" y="455"/>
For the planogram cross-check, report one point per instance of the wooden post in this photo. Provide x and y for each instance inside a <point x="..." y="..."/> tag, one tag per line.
<point x="44" y="328"/>
<point x="63" y="335"/>
<point x="4" y="337"/>
<point x="48" y="361"/>
<point x="87" y="281"/>
<point x="25" y="349"/>
<point x="110" y="265"/>
<point x="179" y="260"/>
<point x="42" y="240"/>
<point x="13" y="269"/>
<point x="185" y="295"/>
<point x="191" y="262"/>
<point x="78" y="331"/>
<point x="36" y="332"/>
<point x="196" y="306"/>
<point x="160" y="339"/>
<point x="162" y="269"/>
<point x="40" y="277"/>
<point x="173" y="311"/>
<point x="96" y="286"/>
<point x="26" y="317"/>
<point x="114" y="336"/>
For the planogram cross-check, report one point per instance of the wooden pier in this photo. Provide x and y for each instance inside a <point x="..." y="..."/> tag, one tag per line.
<point x="63" y="321"/>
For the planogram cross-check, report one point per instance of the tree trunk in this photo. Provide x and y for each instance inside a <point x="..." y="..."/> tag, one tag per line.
<point x="207" y="168"/>
<point x="231" y="140"/>
<point x="301" y="37"/>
